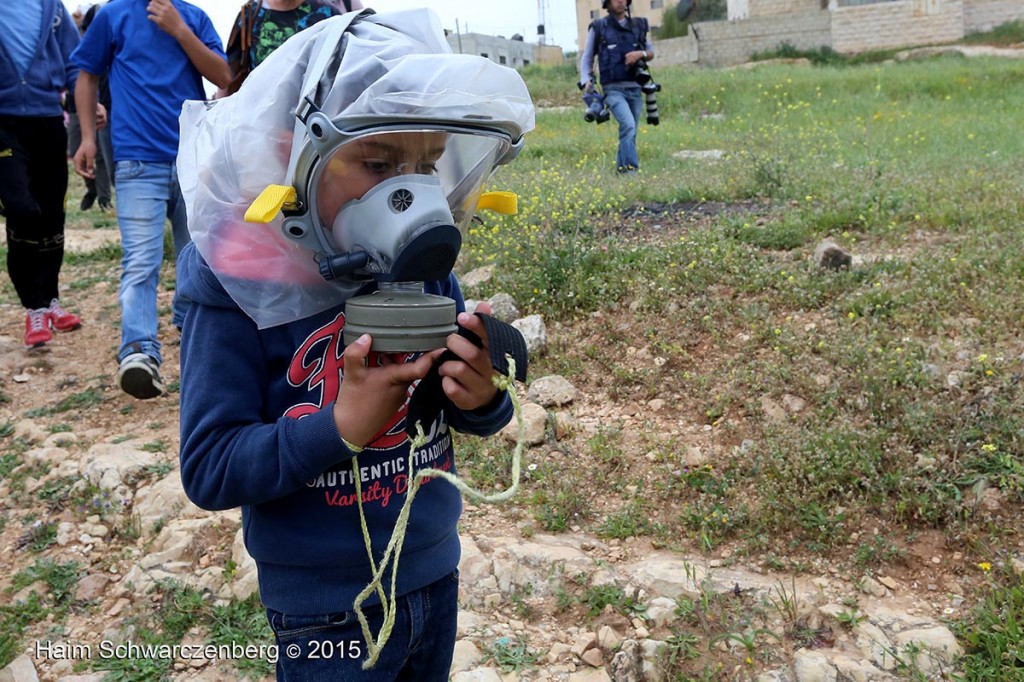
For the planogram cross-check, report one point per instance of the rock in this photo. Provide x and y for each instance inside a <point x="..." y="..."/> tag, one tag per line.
<point x="871" y="586"/>
<point x="694" y="457"/>
<point x="830" y="255"/>
<point x="475" y="278"/>
<point x="92" y="586"/>
<point x="535" y="421"/>
<point x="583" y="643"/>
<point x="535" y="332"/>
<point x="589" y="675"/>
<point x="773" y="410"/>
<point x="109" y="465"/>
<point x="164" y="500"/>
<point x="20" y="669"/>
<point x="627" y="664"/>
<point x="936" y="647"/>
<point x="608" y="638"/>
<point x="559" y="651"/>
<point x="874" y="645"/>
<point x="478" y="675"/>
<point x="47" y="455"/>
<point x="777" y="675"/>
<point x="30" y="432"/>
<point x="552" y="391"/>
<point x="466" y="655"/>
<point x="503" y="307"/>
<point x="650" y="652"/>
<point x="244" y="582"/>
<point x="812" y="666"/>
<point x="593" y="657"/>
<point x="661" y="611"/>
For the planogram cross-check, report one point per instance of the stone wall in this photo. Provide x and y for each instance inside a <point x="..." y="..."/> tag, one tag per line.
<point x="770" y="8"/>
<point x="676" y="51"/>
<point x="984" y="15"/>
<point x="896" y="24"/>
<point x="726" y="43"/>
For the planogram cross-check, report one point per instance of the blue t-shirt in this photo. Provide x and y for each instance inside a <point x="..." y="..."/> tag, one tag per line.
<point x="150" y="75"/>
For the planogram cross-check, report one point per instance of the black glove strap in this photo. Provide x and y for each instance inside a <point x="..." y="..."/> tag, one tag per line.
<point x="429" y="397"/>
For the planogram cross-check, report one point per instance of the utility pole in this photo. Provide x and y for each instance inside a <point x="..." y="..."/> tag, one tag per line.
<point x="542" y="21"/>
<point x="458" y="35"/>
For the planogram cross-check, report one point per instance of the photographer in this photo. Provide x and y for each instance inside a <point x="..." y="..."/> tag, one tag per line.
<point x="622" y="48"/>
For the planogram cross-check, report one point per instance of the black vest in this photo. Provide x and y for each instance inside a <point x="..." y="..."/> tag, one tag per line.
<point x="613" y="42"/>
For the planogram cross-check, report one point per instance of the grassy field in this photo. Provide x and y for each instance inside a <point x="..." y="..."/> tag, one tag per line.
<point x="906" y="367"/>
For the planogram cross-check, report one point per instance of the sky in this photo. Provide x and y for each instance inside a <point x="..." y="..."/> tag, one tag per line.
<point x="491" y="17"/>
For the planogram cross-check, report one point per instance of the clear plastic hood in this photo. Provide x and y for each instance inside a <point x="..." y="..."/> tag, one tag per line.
<point x="367" y="75"/>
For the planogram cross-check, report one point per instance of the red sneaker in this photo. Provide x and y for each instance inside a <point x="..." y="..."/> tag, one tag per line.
<point x="62" y="320"/>
<point x="37" y="331"/>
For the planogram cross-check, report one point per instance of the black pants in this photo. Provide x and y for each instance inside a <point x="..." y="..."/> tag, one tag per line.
<point x="33" y="189"/>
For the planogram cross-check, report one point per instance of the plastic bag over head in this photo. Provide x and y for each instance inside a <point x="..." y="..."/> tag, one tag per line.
<point x="368" y="74"/>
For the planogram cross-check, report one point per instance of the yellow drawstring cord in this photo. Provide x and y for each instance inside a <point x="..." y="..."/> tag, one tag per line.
<point x="394" y="549"/>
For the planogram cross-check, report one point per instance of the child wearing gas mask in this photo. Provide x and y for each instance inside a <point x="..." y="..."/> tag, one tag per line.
<point x="374" y="141"/>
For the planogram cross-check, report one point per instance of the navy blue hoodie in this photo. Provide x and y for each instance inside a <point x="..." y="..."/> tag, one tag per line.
<point x="257" y="432"/>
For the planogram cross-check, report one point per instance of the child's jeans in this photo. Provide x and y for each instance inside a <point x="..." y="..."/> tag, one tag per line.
<point x="330" y="647"/>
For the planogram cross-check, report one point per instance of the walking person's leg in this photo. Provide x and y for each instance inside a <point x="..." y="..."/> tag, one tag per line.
<point x="104" y="168"/>
<point x="33" y="187"/>
<point x="618" y="103"/>
<point x="75" y="139"/>
<point x="141" y="215"/>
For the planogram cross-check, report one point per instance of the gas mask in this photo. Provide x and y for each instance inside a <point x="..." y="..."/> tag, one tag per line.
<point x="388" y="204"/>
<point x="346" y="169"/>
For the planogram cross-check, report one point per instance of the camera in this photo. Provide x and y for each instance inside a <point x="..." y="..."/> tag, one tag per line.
<point x="643" y="76"/>
<point x="594" y="101"/>
<point x="596" y="110"/>
<point x="641" y="73"/>
<point x="650" y="100"/>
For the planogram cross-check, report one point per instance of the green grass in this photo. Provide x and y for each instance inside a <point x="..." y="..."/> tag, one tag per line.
<point x="906" y="367"/>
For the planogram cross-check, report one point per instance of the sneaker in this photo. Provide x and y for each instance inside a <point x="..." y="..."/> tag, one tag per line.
<point x="139" y="376"/>
<point x="62" y="320"/>
<point x="87" y="201"/>
<point x="37" y="331"/>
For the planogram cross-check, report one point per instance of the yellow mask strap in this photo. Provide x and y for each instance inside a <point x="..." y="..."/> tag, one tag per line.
<point x="269" y="203"/>
<point x="506" y="203"/>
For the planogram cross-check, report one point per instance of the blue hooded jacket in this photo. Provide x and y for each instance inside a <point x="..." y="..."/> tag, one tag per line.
<point x="37" y="91"/>
<point x="257" y="431"/>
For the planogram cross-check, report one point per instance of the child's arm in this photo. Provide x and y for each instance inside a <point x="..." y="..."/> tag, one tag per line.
<point x="237" y="448"/>
<point x="211" y="64"/>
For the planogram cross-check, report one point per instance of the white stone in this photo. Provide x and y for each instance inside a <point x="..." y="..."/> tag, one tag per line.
<point x="535" y="332"/>
<point x="812" y="666"/>
<point x="466" y="655"/>
<point x="552" y="391"/>
<point x="20" y="669"/>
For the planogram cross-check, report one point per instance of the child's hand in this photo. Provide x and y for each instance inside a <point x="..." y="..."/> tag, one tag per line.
<point x="370" y="396"/>
<point x="467" y="381"/>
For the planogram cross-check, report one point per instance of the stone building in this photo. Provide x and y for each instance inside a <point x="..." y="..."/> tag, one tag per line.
<point x="512" y="52"/>
<point x="846" y="26"/>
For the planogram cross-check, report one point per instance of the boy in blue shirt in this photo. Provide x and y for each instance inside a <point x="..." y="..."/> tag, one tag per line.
<point x="157" y="54"/>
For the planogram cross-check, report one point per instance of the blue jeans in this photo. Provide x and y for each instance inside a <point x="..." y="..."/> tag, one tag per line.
<point x="330" y="647"/>
<point x="626" y="104"/>
<point x="147" y="195"/>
